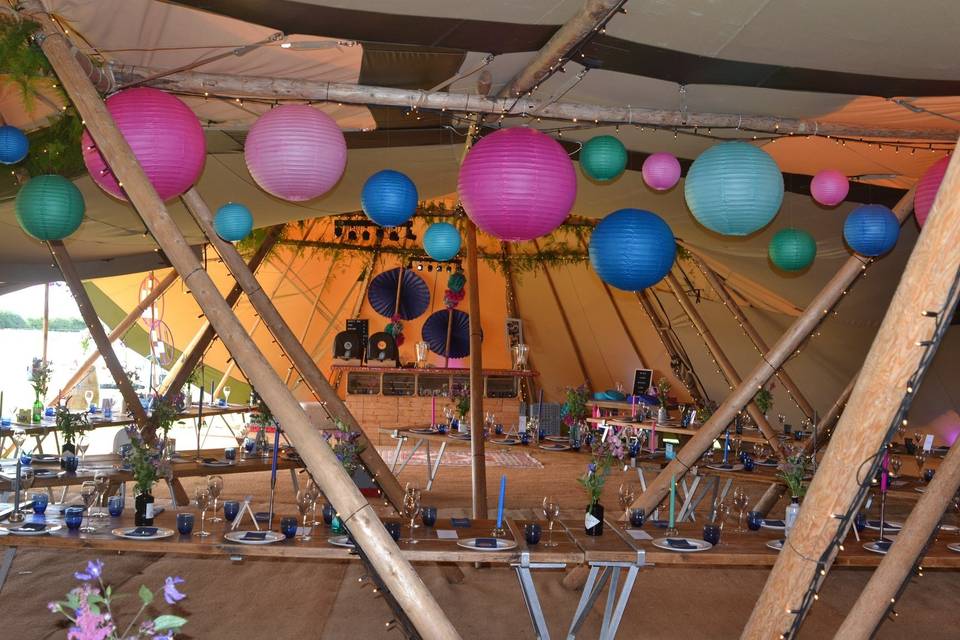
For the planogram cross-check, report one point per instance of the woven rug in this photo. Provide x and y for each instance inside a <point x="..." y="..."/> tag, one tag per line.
<point x="458" y="458"/>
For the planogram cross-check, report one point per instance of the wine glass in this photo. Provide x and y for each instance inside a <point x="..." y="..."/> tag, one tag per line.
<point x="88" y="492"/>
<point x="313" y="490"/>
<point x="305" y="504"/>
<point x="88" y="396"/>
<point x="721" y="513"/>
<point x="226" y="394"/>
<point x="740" y="502"/>
<point x="895" y="464"/>
<point x="240" y="435"/>
<point x="551" y="511"/>
<point x="102" y="482"/>
<point x="410" y="509"/>
<point x="215" y="488"/>
<point x="921" y="457"/>
<point x="202" y="497"/>
<point x="627" y="494"/>
<point x="83" y="443"/>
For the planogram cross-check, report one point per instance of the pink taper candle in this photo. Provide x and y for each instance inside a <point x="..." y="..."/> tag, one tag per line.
<point x="433" y="410"/>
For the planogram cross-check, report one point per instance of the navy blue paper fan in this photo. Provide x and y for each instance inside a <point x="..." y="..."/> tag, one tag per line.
<point x="414" y="294"/>
<point x="435" y="333"/>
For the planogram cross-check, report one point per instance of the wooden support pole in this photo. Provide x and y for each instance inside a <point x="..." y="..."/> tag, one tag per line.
<point x="726" y="367"/>
<point x="477" y="453"/>
<point x="879" y="597"/>
<point x="292" y="347"/>
<point x="46" y="319"/>
<point x="717" y="285"/>
<point x="882" y="393"/>
<point x="513" y="310"/>
<point x="366" y="528"/>
<point x="118" y="332"/>
<point x="793" y="337"/>
<point x="90" y="318"/>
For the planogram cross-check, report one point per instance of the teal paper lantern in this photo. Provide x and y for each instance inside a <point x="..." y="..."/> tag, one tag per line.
<point x="734" y="188"/>
<point x="871" y="229"/>
<point x="389" y="198"/>
<point x="792" y="249"/>
<point x="233" y="222"/>
<point x="441" y="241"/>
<point x="603" y="158"/>
<point x="632" y="249"/>
<point x="49" y="207"/>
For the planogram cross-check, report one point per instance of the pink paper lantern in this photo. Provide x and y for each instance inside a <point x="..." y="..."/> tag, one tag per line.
<point x="927" y="188"/>
<point x="661" y="171"/>
<point x="829" y="187"/>
<point x="517" y="184"/>
<point x="295" y="152"/>
<point x="165" y="136"/>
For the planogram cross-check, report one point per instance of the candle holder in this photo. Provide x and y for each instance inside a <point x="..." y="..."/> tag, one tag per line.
<point x="499" y="532"/>
<point x="19" y="437"/>
<point x="422" y="351"/>
<point x="520" y="353"/>
<point x="673" y="532"/>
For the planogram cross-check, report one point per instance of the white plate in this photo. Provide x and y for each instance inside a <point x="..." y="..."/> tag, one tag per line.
<point x="949" y="527"/>
<point x="891" y="525"/>
<point x="341" y="541"/>
<point x="424" y="432"/>
<point x="506" y="442"/>
<point x="699" y="545"/>
<point x="124" y="532"/>
<point x="954" y="546"/>
<point x="217" y="463"/>
<point x="560" y="439"/>
<point x="920" y="489"/>
<point x="773" y="527"/>
<point x="766" y="463"/>
<point x="776" y="545"/>
<point x="721" y="467"/>
<point x="471" y="543"/>
<point x="555" y="447"/>
<point x="238" y="537"/>
<point x="456" y="435"/>
<point x="872" y="546"/>
<point x="50" y="528"/>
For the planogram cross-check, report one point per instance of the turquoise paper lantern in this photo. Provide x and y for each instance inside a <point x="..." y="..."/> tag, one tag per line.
<point x="603" y="158"/>
<point x="441" y="241"/>
<point x="233" y="222"/>
<point x="49" y="207"/>
<point x="734" y="188"/>
<point x="389" y="198"/>
<point x="871" y="229"/>
<point x="792" y="249"/>
<point x="632" y="249"/>
<point x="13" y="145"/>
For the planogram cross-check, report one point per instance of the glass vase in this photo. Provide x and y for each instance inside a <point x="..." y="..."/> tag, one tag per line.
<point x="37" y="414"/>
<point x="593" y="519"/>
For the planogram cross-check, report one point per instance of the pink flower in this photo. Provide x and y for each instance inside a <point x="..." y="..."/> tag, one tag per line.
<point x="90" y="625"/>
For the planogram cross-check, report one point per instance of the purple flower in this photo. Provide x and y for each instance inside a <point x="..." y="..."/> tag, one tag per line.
<point x="54" y="607"/>
<point x="592" y="467"/>
<point x="94" y="569"/>
<point x="170" y="592"/>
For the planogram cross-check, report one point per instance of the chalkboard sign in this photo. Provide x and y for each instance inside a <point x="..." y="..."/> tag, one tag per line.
<point x="362" y="327"/>
<point x="642" y="379"/>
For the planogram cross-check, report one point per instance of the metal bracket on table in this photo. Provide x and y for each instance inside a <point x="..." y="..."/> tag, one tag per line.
<point x="529" y="591"/>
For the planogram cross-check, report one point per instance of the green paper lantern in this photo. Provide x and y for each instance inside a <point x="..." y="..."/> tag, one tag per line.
<point x="603" y="158"/>
<point x="49" y="207"/>
<point x="792" y="249"/>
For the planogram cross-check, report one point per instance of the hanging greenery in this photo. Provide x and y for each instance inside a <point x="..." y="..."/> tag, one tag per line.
<point x="22" y="63"/>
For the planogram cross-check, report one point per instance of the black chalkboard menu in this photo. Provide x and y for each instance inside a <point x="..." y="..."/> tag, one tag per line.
<point x="642" y="379"/>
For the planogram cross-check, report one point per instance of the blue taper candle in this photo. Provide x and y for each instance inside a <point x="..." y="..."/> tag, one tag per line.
<point x="503" y="491"/>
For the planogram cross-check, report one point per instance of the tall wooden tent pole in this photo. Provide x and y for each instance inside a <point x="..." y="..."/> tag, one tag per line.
<point x="46" y="319"/>
<point x="816" y="310"/>
<point x="513" y="310"/>
<point x="293" y="348"/>
<point x="884" y="389"/>
<point x="477" y="453"/>
<point x="394" y="570"/>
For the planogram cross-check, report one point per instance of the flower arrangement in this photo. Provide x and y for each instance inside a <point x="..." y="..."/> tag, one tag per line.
<point x="262" y="416"/>
<point x="605" y="451"/>
<point x="574" y="409"/>
<point x="40" y="372"/>
<point x="792" y="472"/>
<point x="87" y="607"/>
<point x="70" y="425"/>
<point x="663" y="390"/>
<point x="146" y="463"/>
<point x="345" y="445"/>
<point x="163" y="415"/>
<point x="764" y="398"/>
<point x="461" y="401"/>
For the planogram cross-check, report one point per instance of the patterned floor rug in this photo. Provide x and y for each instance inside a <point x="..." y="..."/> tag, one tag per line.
<point x="462" y="458"/>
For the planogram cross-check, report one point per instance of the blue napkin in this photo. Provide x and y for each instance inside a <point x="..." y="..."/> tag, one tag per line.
<point x="775" y="523"/>
<point x="255" y="535"/>
<point x="723" y="466"/>
<point x="486" y="543"/>
<point x="680" y="543"/>
<point x="660" y="524"/>
<point x="460" y="523"/>
<point x="143" y="532"/>
<point x="32" y="526"/>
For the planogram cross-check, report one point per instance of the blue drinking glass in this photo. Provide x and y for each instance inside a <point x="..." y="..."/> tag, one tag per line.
<point x="754" y="520"/>
<point x="637" y="517"/>
<point x="230" y="509"/>
<point x="441" y="428"/>
<point x="185" y="523"/>
<point x="288" y="526"/>
<point x="588" y="439"/>
<point x="328" y="512"/>
<point x="532" y="533"/>
<point x="26" y="459"/>
<point x="115" y="506"/>
<point x="393" y="528"/>
<point x="860" y="521"/>
<point x="249" y="444"/>
<point x="749" y="464"/>
<point x="40" y="501"/>
<point x="711" y="533"/>
<point x="429" y="516"/>
<point x="524" y="438"/>
<point x="71" y="464"/>
<point x="498" y="429"/>
<point x="928" y="474"/>
<point x="230" y="453"/>
<point x="798" y="435"/>
<point x="73" y="517"/>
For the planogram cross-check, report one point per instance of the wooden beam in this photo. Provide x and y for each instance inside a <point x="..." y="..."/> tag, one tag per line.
<point x="394" y="570"/>
<point x="479" y="465"/>
<point x="792" y="338"/>
<point x="46" y="319"/>
<point x="513" y="310"/>
<point x="881" y="396"/>
<point x="90" y="318"/>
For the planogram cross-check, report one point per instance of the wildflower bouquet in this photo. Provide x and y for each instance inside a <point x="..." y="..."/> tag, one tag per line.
<point x="40" y="372"/>
<point x="575" y="405"/>
<point x="345" y="445"/>
<point x="606" y="451"/>
<point x="146" y="463"/>
<point x="792" y="471"/>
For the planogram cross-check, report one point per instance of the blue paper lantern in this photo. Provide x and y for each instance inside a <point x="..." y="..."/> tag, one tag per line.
<point x="632" y="249"/>
<point x="49" y="207"/>
<point x="13" y="145"/>
<point x="734" y="188"/>
<point x="441" y="241"/>
<point x="871" y="229"/>
<point x="233" y="222"/>
<point x="389" y="198"/>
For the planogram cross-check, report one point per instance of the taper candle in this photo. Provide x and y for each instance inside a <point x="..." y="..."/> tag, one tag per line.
<point x="673" y="500"/>
<point x="503" y="491"/>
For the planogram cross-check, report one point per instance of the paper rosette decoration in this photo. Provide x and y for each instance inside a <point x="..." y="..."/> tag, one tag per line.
<point x="414" y="294"/>
<point x="434" y="333"/>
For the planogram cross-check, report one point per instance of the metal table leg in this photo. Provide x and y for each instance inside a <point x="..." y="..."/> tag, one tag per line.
<point x="532" y="601"/>
<point x="591" y="591"/>
<point x="396" y="453"/>
<point x="432" y="474"/>
<point x="413" y="452"/>
<point x="611" y="598"/>
<point x="6" y="564"/>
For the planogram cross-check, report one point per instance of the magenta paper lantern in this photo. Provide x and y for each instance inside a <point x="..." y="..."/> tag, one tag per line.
<point x="517" y="184"/>
<point x="295" y="152"/>
<point x="165" y="136"/>
<point x="927" y="188"/>
<point x="829" y="187"/>
<point x="661" y="171"/>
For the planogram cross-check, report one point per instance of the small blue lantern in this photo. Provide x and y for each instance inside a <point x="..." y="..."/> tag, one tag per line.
<point x="632" y="249"/>
<point x="441" y="241"/>
<point x="389" y="198"/>
<point x="871" y="229"/>
<point x="233" y="222"/>
<point x="13" y="145"/>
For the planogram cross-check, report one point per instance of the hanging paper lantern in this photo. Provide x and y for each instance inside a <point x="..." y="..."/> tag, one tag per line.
<point x="13" y="145"/>
<point x="233" y="222"/>
<point x="441" y="241"/>
<point x="49" y="207"/>
<point x="871" y="229"/>
<point x="389" y="198"/>
<point x="661" y="171"/>
<point x="414" y="294"/>
<point x="927" y="188"/>
<point x="165" y="136"/>
<point x="517" y="184"/>
<point x="829" y="187"/>
<point x="434" y="333"/>
<point x="734" y="188"/>
<point x="603" y="158"/>
<point x="632" y="249"/>
<point x="295" y="152"/>
<point x="792" y="249"/>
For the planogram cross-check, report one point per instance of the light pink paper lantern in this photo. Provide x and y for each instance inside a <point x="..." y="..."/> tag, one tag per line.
<point x="829" y="187"/>
<point x="517" y="184"/>
<point x="295" y="152"/>
<point x="661" y="171"/>
<point x="165" y="136"/>
<point x="927" y="188"/>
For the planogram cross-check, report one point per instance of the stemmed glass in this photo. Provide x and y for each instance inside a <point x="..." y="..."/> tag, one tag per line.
<point x="240" y="435"/>
<point x="895" y="464"/>
<point x="83" y="443"/>
<point x="551" y="511"/>
<point x="226" y="394"/>
<point x="721" y="513"/>
<point x="88" y="491"/>
<point x="921" y="457"/>
<point x="740" y="502"/>
<point x="306" y="502"/>
<point x="202" y="497"/>
<point x="215" y="488"/>
<point x="627" y="494"/>
<point x="313" y="490"/>
<point x="410" y="509"/>
<point x="88" y="396"/>
<point x="102" y="482"/>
